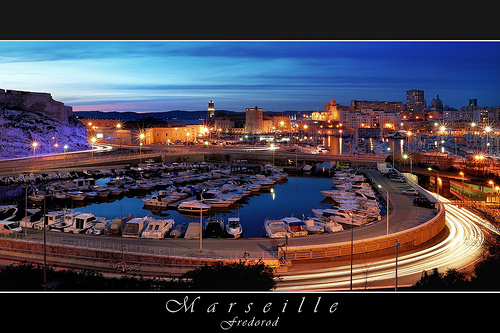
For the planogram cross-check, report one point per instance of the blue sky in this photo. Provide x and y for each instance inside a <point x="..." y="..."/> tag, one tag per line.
<point x="277" y="76"/>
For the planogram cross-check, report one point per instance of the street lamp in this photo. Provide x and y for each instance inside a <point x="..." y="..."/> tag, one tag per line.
<point x="352" y="243"/>
<point x="201" y="219"/>
<point x="487" y="129"/>
<point x="405" y="156"/>
<point x="463" y="187"/>
<point x="387" y="209"/>
<point x="93" y="140"/>
<point x="34" y="144"/>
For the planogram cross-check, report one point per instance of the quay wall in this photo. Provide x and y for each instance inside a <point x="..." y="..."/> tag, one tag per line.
<point x="407" y="239"/>
<point x="162" y="262"/>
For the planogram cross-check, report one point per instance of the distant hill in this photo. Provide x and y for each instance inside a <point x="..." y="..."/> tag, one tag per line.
<point x="175" y="114"/>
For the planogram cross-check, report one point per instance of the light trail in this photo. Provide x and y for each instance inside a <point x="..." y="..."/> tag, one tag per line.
<point x="462" y="246"/>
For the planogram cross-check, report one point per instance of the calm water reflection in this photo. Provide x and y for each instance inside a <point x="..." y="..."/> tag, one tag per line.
<point x="298" y="195"/>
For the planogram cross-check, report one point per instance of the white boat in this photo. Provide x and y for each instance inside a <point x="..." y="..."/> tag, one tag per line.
<point x="346" y="216"/>
<point x="337" y="194"/>
<point x="102" y="192"/>
<point x="233" y="227"/>
<point x="115" y="191"/>
<point x="99" y="227"/>
<point x="157" y="201"/>
<point x="193" y="206"/>
<point x="275" y="228"/>
<point x="77" y="195"/>
<point x="157" y="228"/>
<point x="328" y="224"/>
<point x="295" y="226"/>
<point x="178" y="231"/>
<point x="217" y="201"/>
<point x="193" y="231"/>
<point x="134" y="227"/>
<point x="51" y="219"/>
<point x="312" y="228"/>
<point x="61" y="195"/>
<point x="91" y="194"/>
<point x="82" y="222"/>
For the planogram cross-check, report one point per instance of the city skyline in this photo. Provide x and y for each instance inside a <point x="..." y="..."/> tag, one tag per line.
<point x="276" y="76"/>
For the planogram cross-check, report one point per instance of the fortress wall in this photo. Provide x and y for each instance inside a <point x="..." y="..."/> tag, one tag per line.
<point x="36" y="102"/>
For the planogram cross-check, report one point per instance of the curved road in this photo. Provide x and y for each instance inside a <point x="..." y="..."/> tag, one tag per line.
<point x="461" y="247"/>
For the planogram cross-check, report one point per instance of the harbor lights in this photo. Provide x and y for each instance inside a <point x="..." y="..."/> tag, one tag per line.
<point x="141" y="137"/>
<point x="406" y="156"/>
<point x="93" y="140"/>
<point x="387" y="209"/>
<point x="487" y="129"/>
<point x="34" y="145"/>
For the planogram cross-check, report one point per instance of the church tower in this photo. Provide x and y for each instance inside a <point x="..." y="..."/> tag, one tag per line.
<point x="211" y="109"/>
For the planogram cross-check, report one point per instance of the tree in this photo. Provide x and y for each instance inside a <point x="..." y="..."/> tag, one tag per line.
<point x="233" y="276"/>
<point x="452" y="280"/>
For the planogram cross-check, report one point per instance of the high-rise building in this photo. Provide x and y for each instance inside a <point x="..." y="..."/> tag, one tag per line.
<point x="415" y="102"/>
<point x="472" y="101"/>
<point x="253" y="120"/>
<point x="211" y="109"/>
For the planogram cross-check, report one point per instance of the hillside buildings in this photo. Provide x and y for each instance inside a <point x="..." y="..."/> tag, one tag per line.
<point x="370" y="116"/>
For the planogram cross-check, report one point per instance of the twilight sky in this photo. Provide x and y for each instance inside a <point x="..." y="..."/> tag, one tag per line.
<point x="277" y="76"/>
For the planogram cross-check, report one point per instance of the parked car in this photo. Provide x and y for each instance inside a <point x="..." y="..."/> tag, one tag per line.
<point x="410" y="191"/>
<point x="397" y="179"/>
<point x="423" y="202"/>
<point x="9" y="227"/>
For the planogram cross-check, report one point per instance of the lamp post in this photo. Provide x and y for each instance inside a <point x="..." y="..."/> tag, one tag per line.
<point x="463" y="187"/>
<point x="92" y="143"/>
<point x="201" y="220"/>
<point x="405" y="156"/>
<point x="387" y="209"/>
<point x="34" y="144"/>
<point x="118" y="127"/>
<point x="487" y="129"/>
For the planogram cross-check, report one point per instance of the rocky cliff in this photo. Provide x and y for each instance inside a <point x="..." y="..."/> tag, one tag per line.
<point x="18" y="129"/>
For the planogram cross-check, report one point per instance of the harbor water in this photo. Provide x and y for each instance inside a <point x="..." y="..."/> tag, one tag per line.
<point x="295" y="196"/>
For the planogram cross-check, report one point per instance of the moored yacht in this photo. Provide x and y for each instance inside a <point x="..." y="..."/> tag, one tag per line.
<point x="157" y="228"/>
<point x="275" y="228"/>
<point x="214" y="228"/>
<point x="233" y="227"/>
<point x="295" y="226"/>
<point x="193" y="206"/>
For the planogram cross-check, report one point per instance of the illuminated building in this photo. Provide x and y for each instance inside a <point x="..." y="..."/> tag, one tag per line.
<point x="253" y="121"/>
<point x="415" y="103"/>
<point x="211" y="109"/>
